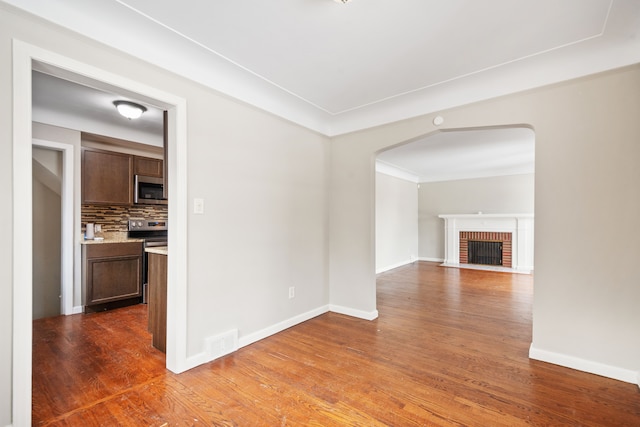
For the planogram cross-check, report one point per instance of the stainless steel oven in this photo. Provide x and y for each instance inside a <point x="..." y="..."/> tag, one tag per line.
<point x="154" y="232"/>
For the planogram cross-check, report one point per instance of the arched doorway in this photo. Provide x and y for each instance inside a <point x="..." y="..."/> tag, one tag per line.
<point x="463" y="171"/>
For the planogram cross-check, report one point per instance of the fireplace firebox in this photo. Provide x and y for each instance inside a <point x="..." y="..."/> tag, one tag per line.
<point x="485" y="253"/>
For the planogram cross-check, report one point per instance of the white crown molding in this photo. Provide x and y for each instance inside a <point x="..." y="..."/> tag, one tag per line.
<point x="151" y="42"/>
<point x="391" y="170"/>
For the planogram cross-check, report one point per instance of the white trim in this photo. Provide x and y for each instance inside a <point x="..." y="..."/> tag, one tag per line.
<point x="204" y="356"/>
<point x="431" y="259"/>
<point x="22" y="240"/>
<point x="601" y="53"/>
<point x="67" y="226"/>
<point x="387" y="169"/>
<point x="177" y="275"/>
<point x="396" y="265"/>
<point x="281" y="326"/>
<point x="584" y="365"/>
<point x="23" y="55"/>
<point x="488" y="268"/>
<point x="360" y="314"/>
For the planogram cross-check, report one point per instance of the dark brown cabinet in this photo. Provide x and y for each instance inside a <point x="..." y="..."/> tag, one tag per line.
<point x="112" y="272"/>
<point x="148" y="166"/>
<point x="107" y="177"/>
<point x="158" y="300"/>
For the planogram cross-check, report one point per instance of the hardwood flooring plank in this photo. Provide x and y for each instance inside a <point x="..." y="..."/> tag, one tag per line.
<point x="450" y="348"/>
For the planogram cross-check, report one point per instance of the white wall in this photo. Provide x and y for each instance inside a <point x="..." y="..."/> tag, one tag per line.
<point x="501" y="194"/>
<point x="264" y="181"/>
<point x="396" y="222"/>
<point x="587" y="183"/>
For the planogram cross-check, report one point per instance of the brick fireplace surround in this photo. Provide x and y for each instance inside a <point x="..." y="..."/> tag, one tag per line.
<point x="514" y="230"/>
<point x="485" y="236"/>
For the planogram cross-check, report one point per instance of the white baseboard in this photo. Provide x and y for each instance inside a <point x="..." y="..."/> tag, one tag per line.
<point x="403" y="263"/>
<point x="78" y="309"/>
<point x="431" y="259"/>
<point x="584" y="365"/>
<point x="206" y="354"/>
<point x="391" y="267"/>
<point x="360" y="314"/>
<point x="278" y="327"/>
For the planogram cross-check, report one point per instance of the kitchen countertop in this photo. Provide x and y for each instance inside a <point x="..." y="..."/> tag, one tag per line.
<point x="160" y="250"/>
<point x="110" y="237"/>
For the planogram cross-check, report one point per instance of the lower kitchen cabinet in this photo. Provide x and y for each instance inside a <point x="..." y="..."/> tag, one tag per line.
<point x="112" y="273"/>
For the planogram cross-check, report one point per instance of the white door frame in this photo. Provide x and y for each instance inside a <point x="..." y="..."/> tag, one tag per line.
<point x="25" y="56"/>
<point x="67" y="227"/>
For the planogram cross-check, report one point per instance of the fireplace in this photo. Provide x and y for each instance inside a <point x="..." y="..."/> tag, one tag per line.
<point x="513" y="231"/>
<point x="486" y="248"/>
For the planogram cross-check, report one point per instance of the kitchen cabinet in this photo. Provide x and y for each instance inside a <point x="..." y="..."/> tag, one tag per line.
<point x="157" y="303"/>
<point x="148" y="166"/>
<point x="107" y="177"/>
<point x="112" y="272"/>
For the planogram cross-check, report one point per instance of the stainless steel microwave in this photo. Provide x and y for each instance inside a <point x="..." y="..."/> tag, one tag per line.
<point x="148" y="190"/>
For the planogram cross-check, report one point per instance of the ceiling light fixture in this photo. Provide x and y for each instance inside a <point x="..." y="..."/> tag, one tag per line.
<point x="129" y="109"/>
<point x="342" y="1"/>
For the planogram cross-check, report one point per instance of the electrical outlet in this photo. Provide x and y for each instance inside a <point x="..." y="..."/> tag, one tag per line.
<point x="292" y="292"/>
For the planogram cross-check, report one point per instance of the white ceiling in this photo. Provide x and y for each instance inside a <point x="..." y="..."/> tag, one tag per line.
<point x="63" y="103"/>
<point x="337" y="68"/>
<point x="448" y="156"/>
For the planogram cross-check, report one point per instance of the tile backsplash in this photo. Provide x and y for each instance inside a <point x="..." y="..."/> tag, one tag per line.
<point x="114" y="218"/>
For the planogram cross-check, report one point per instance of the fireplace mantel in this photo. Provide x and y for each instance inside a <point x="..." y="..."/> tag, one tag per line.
<point x="520" y="225"/>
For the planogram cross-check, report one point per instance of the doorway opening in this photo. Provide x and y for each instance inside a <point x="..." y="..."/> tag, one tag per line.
<point x="26" y="58"/>
<point x="453" y="171"/>
<point x="53" y="278"/>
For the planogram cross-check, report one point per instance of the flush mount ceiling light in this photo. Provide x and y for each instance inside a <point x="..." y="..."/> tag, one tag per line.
<point x="342" y="1"/>
<point x="129" y="109"/>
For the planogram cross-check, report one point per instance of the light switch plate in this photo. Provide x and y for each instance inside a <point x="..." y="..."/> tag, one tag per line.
<point x="198" y="206"/>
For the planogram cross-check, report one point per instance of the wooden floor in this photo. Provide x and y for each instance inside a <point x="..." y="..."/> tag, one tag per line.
<point x="448" y="349"/>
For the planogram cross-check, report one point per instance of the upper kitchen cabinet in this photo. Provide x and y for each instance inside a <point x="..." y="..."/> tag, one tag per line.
<point x="148" y="167"/>
<point x="106" y="177"/>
